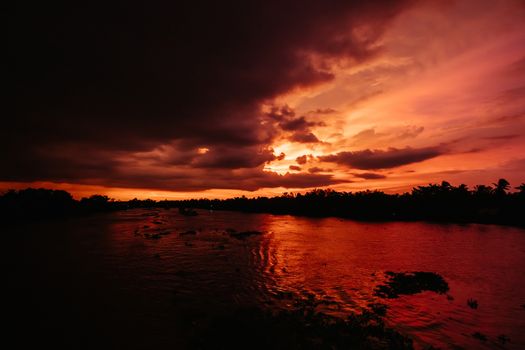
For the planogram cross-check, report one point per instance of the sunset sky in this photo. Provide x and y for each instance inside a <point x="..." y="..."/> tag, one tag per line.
<point x="259" y="98"/>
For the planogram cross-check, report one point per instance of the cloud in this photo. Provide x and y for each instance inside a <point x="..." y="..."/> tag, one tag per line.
<point x="365" y="135"/>
<point x="231" y="158"/>
<point x="315" y="170"/>
<point x="389" y="136"/>
<point x="409" y="132"/>
<point x="295" y="129"/>
<point x="323" y="111"/>
<point x="201" y="179"/>
<point x="369" y="176"/>
<point x="294" y="168"/>
<point x="502" y="137"/>
<point x="296" y="124"/>
<point x="292" y="181"/>
<point x="302" y="159"/>
<point x="382" y="159"/>
<point x="304" y="137"/>
<point x="116" y="82"/>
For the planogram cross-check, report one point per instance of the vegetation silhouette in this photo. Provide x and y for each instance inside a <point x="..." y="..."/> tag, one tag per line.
<point x="31" y="203"/>
<point x="491" y="204"/>
<point x="300" y="328"/>
<point x="434" y="202"/>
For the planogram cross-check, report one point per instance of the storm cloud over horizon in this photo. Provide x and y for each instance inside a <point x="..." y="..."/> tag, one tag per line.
<point x="227" y="95"/>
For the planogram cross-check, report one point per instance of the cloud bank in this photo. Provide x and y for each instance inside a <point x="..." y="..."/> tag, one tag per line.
<point x="104" y="89"/>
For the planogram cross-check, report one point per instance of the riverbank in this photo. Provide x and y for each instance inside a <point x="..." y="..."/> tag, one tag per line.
<point x="434" y="203"/>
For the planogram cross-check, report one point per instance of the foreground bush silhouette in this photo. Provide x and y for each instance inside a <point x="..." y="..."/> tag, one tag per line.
<point x="300" y="328"/>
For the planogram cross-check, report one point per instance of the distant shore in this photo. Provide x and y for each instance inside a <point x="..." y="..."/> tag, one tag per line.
<point x="436" y="202"/>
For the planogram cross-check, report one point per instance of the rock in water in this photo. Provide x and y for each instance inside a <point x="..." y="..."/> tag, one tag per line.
<point x="402" y="283"/>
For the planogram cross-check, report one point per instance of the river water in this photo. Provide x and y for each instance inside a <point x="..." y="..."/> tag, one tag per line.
<point x="99" y="281"/>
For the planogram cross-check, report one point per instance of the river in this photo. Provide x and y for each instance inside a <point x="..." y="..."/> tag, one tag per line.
<point x="105" y="281"/>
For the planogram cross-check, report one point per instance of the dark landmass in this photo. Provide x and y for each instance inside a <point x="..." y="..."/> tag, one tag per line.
<point x="407" y="283"/>
<point x="435" y="202"/>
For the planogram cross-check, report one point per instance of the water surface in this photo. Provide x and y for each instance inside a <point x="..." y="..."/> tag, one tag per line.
<point x="102" y="280"/>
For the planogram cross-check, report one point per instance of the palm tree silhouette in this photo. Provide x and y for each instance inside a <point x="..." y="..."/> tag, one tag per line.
<point x="502" y="187"/>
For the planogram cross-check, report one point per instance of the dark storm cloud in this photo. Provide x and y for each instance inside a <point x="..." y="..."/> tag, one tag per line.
<point x="233" y="159"/>
<point x="121" y="78"/>
<point x="25" y="167"/>
<point x="383" y="159"/>
<point x="303" y="137"/>
<point x="221" y="157"/>
<point x="297" y="124"/>
<point x="296" y="129"/>
<point x="202" y="179"/>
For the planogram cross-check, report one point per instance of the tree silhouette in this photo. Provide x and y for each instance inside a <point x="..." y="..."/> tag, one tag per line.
<point x="483" y="190"/>
<point x="501" y="187"/>
<point x="437" y="202"/>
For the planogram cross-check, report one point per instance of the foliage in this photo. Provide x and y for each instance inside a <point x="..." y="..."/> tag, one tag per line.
<point x="434" y="202"/>
<point x="299" y="328"/>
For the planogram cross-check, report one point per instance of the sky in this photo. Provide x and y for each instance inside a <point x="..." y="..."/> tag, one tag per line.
<point x="160" y="100"/>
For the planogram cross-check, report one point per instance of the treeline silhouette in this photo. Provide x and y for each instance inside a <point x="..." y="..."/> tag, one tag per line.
<point x="434" y="202"/>
<point x="43" y="203"/>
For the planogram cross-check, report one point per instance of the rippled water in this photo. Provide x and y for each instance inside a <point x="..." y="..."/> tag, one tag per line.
<point x="100" y="279"/>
